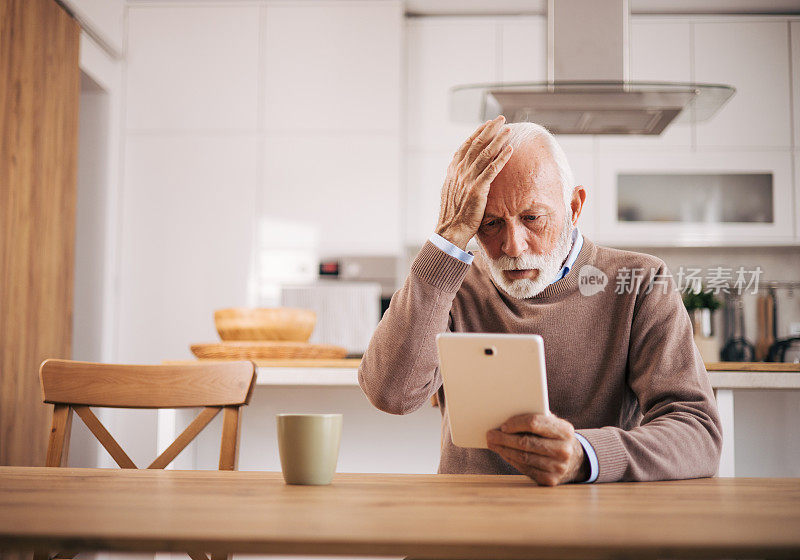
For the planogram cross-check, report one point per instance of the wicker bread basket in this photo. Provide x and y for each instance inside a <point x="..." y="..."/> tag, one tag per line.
<point x="265" y="324"/>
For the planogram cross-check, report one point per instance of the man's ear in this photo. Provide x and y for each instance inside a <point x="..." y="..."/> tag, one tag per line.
<point x="578" y="198"/>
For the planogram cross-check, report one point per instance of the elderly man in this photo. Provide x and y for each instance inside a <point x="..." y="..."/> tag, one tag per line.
<point x="629" y="393"/>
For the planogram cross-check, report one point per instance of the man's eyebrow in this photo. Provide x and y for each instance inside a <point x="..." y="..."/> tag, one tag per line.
<point x="537" y="208"/>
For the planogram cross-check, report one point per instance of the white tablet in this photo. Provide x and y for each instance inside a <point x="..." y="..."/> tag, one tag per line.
<point x="487" y="379"/>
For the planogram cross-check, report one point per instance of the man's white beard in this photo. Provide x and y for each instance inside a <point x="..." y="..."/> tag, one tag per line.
<point x="548" y="265"/>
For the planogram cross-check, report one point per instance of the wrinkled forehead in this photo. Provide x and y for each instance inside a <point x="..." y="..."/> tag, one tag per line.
<point x="529" y="178"/>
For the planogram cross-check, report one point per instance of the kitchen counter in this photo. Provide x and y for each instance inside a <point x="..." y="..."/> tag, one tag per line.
<point x="410" y="443"/>
<point x="752" y="366"/>
<point x="343" y="373"/>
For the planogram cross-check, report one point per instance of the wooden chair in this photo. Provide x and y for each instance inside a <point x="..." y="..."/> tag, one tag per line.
<point x="76" y="386"/>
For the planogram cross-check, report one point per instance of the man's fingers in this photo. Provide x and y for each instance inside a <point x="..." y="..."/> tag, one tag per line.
<point x="547" y="464"/>
<point x="483" y="139"/>
<point x="490" y="152"/>
<point x="542" y="469"/>
<point x="545" y="425"/>
<point x="493" y="169"/>
<point x="555" y="448"/>
<point x="462" y="150"/>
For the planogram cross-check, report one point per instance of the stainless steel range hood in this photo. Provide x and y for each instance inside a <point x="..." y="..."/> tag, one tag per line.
<point x="588" y="91"/>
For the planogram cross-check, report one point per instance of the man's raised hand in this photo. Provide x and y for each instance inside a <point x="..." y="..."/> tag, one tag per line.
<point x="469" y="175"/>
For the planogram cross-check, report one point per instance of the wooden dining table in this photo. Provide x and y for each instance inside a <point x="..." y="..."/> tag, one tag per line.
<point x="425" y="516"/>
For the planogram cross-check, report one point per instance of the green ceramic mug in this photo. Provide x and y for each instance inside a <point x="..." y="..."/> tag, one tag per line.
<point x="309" y="447"/>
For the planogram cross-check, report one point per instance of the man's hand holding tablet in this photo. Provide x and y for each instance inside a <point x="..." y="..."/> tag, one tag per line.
<point x="542" y="446"/>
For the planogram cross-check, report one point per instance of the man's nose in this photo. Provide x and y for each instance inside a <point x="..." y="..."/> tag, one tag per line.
<point x="514" y="240"/>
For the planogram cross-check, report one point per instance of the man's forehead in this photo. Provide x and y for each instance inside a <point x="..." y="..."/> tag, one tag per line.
<point x="529" y="178"/>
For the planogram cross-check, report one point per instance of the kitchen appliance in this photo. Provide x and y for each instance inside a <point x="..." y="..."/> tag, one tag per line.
<point x="737" y="348"/>
<point x="765" y="307"/>
<point x="588" y="90"/>
<point x="786" y="347"/>
<point x="382" y="269"/>
<point x="785" y="350"/>
<point x="347" y="312"/>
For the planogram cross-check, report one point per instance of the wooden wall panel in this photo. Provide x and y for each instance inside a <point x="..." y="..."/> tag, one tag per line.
<point x="39" y="96"/>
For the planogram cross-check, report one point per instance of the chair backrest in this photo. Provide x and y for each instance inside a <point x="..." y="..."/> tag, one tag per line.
<point x="71" y="385"/>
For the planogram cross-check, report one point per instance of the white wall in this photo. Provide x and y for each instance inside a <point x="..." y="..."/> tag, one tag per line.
<point x="90" y="221"/>
<point x="94" y="304"/>
<point x="90" y="248"/>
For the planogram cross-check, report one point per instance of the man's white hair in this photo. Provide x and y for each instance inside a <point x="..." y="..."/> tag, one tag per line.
<point x="532" y="133"/>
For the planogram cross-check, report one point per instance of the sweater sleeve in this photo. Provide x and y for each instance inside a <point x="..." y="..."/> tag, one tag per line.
<point x="399" y="371"/>
<point x="680" y="435"/>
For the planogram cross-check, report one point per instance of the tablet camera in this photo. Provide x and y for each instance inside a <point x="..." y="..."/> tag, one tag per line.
<point x="489" y="351"/>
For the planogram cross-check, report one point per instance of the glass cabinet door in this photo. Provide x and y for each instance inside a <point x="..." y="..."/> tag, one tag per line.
<point x="719" y="198"/>
<point x="708" y="198"/>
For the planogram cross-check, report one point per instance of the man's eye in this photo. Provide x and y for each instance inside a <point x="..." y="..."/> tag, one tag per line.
<point x="530" y="218"/>
<point x="490" y="226"/>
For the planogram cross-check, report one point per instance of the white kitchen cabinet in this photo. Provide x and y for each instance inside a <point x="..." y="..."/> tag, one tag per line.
<point x="753" y="56"/>
<point x="192" y="67"/>
<point x="346" y="184"/>
<point x="332" y="100"/>
<point x="731" y="211"/>
<point x="660" y="51"/>
<point x="441" y="53"/>
<point x="332" y="66"/>
<point x="187" y="232"/>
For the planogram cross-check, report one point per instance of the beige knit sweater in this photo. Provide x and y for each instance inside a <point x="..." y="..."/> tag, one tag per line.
<point x="621" y="367"/>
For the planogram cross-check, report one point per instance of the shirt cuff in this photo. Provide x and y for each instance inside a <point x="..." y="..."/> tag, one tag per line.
<point x="593" y="464"/>
<point x="451" y="249"/>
